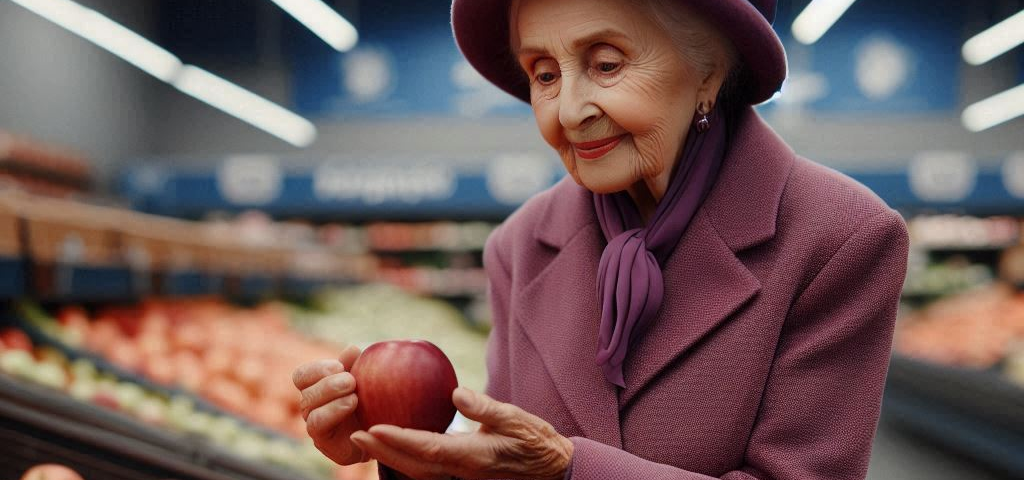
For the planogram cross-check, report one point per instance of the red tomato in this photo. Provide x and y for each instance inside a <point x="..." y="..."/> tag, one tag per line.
<point x="15" y="339"/>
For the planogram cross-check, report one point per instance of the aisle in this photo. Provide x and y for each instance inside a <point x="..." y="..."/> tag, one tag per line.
<point x="898" y="455"/>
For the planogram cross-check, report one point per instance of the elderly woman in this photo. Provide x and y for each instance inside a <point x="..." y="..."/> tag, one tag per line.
<point x="693" y="301"/>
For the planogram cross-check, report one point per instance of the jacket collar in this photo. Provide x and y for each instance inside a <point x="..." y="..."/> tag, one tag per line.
<point x="739" y="213"/>
<point x="743" y="205"/>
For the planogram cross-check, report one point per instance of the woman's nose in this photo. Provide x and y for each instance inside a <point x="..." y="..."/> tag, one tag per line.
<point x="576" y="107"/>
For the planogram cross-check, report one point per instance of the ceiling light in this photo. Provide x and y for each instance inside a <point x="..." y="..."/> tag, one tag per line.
<point x="817" y="18"/>
<point x="992" y="111"/>
<point x="246" y="106"/>
<point x="323" y="21"/>
<point x="107" y="34"/>
<point x="995" y="41"/>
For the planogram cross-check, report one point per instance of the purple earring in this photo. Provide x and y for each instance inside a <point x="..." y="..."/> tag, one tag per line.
<point x="703" y="124"/>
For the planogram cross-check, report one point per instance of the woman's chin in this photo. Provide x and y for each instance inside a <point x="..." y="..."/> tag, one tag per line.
<point x="605" y="184"/>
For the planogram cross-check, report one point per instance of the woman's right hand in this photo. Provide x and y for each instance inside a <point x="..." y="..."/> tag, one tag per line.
<point x="328" y="405"/>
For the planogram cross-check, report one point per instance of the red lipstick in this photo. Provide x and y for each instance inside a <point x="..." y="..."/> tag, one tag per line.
<point x="596" y="149"/>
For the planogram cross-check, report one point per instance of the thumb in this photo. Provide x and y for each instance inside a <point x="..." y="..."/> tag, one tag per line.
<point x="482" y="408"/>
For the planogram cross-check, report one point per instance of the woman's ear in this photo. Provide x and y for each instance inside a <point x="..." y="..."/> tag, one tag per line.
<point x="712" y="82"/>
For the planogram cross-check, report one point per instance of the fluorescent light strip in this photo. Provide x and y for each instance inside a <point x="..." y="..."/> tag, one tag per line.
<point x="160" y="63"/>
<point x="108" y="34"/>
<point x="995" y="41"/>
<point x="817" y="18"/>
<point x="994" y="110"/>
<point x="323" y="21"/>
<point x="245" y="105"/>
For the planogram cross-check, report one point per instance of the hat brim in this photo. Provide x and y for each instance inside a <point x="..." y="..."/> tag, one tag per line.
<point x="481" y="29"/>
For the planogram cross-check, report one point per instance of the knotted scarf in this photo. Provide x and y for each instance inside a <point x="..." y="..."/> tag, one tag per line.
<point x="630" y="286"/>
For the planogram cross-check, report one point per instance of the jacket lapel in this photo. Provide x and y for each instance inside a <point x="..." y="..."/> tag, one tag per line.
<point x="706" y="282"/>
<point x="559" y="312"/>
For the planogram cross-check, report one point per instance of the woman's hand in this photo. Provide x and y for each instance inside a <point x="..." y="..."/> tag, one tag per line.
<point x="510" y="443"/>
<point x="328" y="403"/>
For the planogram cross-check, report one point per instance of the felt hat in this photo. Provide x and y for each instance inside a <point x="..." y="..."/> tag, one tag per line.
<point x="481" y="30"/>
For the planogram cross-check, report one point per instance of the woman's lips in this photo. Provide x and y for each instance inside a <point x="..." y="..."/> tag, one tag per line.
<point x="596" y="149"/>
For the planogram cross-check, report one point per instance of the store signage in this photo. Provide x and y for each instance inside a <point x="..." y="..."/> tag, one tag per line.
<point x="406" y="64"/>
<point x="250" y="180"/>
<point x="374" y="185"/>
<point x="891" y="58"/>
<point x="942" y="176"/>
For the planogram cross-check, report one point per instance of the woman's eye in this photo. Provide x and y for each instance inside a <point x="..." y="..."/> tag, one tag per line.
<point x="607" y="67"/>
<point x="546" y="78"/>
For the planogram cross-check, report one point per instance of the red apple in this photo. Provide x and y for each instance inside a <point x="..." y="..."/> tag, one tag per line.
<point x="405" y="383"/>
<point x="50" y="471"/>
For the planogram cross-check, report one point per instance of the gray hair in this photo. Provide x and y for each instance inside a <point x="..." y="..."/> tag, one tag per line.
<point x="701" y="45"/>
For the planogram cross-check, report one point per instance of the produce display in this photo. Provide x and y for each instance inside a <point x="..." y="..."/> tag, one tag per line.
<point x="982" y="328"/>
<point x="237" y="359"/>
<point x="367" y="314"/>
<point x="205" y="367"/>
<point x="405" y="383"/>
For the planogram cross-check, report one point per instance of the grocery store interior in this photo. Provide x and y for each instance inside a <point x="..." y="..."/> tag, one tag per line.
<point x="198" y="196"/>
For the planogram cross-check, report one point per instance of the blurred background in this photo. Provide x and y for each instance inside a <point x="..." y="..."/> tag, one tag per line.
<point x="198" y="196"/>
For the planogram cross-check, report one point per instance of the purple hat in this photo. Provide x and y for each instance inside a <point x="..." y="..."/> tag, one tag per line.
<point x="482" y="33"/>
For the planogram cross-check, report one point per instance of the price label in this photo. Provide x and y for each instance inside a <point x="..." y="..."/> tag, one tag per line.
<point x="942" y="176"/>
<point x="250" y="180"/>
<point x="1013" y="174"/>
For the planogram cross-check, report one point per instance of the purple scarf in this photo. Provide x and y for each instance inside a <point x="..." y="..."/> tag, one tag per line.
<point x="629" y="282"/>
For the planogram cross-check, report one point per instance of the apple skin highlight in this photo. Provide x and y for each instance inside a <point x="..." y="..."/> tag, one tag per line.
<point x="406" y="383"/>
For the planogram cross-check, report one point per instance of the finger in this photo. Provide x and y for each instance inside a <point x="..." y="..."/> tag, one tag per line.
<point x="396" y="459"/>
<point x="327" y="389"/>
<point x="308" y="374"/>
<point x="486" y="410"/>
<point x="321" y="421"/>
<point x="457" y="453"/>
<point x="349" y="355"/>
<point x="428" y="446"/>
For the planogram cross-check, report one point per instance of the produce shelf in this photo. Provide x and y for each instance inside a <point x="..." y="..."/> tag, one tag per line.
<point x="189" y="283"/>
<point x="38" y="425"/>
<point x="41" y="338"/>
<point x="977" y="412"/>
<point x="81" y="283"/>
<point x="12" y="277"/>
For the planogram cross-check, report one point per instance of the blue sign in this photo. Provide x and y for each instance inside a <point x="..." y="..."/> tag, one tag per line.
<point x="891" y="57"/>
<point x="345" y="188"/>
<point x="406" y="63"/>
<point x="377" y="189"/>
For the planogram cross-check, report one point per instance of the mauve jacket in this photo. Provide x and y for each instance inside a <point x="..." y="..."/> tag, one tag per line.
<point x="768" y="357"/>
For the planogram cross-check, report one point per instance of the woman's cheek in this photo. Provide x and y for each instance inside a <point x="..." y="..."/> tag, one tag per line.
<point x="545" y="111"/>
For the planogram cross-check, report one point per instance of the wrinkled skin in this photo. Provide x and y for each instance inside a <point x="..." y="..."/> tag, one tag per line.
<point x="604" y="68"/>
<point x="328" y="403"/>
<point x="598" y="69"/>
<point x="510" y="443"/>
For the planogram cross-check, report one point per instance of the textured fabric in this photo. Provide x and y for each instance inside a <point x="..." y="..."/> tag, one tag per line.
<point x="768" y="357"/>
<point x="481" y="29"/>
<point x="630" y="286"/>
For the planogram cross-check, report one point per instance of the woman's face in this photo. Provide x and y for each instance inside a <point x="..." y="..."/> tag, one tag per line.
<point x="608" y="87"/>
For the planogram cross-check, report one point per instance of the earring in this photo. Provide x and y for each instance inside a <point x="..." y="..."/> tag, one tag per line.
<point x="703" y="124"/>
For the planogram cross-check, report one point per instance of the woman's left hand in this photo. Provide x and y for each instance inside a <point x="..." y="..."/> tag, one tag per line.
<point x="511" y="443"/>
